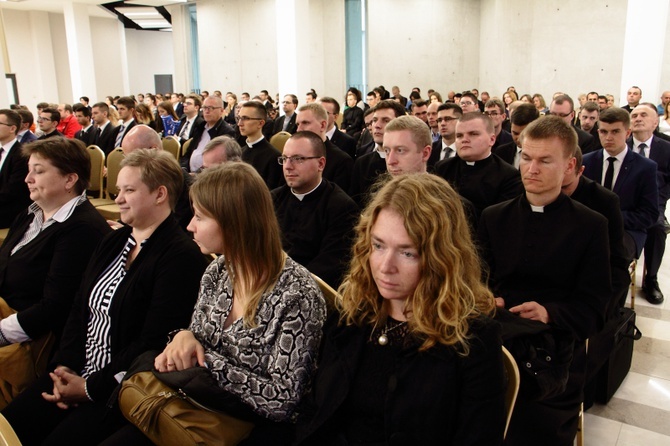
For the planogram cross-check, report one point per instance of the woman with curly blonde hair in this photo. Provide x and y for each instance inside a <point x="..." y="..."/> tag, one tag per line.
<point x="412" y="352"/>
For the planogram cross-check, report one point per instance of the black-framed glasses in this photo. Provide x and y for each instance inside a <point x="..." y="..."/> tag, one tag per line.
<point x="210" y="108"/>
<point x="247" y="118"/>
<point x="295" y="159"/>
<point x="8" y="125"/>
<point x="466" y="103"/>
<point x="561" y="115"/>
<point x="492" y="114"/>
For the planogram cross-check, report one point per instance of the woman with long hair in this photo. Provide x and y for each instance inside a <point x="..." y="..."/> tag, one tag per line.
<point x="413" y="353"/>
<point x="168" y="120"/>
<point x="229" y="111"/>
<point x="540" y="103"/>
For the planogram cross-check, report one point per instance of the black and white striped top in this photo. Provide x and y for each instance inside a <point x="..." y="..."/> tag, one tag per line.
<point x="98" y="341"/>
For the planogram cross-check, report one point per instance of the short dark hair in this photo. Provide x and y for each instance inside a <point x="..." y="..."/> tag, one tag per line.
<point x="260" y="109"/>
<point x="42" y="105"/>
<point x="602" y="96"/>
<point x="414" y="95"/>
<point x="591" y="92"/>
<point x="196" y="99"/>
<point x="420" y="103"/>
<point x="329" y="100"/>
<point x="293" y="97"/>
<point x="53" y="114"/>
<point x="13" y="118"/>
<point x="451" y="106"/>
<point x="102" y="106"/>
<point x="83" y="109"/>
<point x="126" y="101"/>
<point x="524" y="114"/>
<point x="312" y="94"/>
<point x="494" y="102"/>
<point x="590" y="106"/>
<point x="318" y="146"/>
<point x="397" y="107"/>
<point x="615" y="114"/>
<point x="477" y="116"/>
<point x="26" y="116"/>
<point x="68" y="155"/>
<point x="467" y="94"/>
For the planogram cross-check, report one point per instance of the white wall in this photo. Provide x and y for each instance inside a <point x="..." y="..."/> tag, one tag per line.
<point x="149" y="53"/>
<point x="425" y="43"/>
<point x="107" y="57"/>
<point x="327" y="50"/>
<point x="62" y="63"/>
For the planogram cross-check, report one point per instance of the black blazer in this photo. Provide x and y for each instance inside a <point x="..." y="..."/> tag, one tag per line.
<point x="338" y="166"/>
<point x="507" y="152"/>
<point x="660" y="153"/>
<point x="352" y="120"/>
<point x="156" y="296"/>
<point x="107" y="138"/>
<point x="344" y="142"/>
<point x="292" y="126"/>
<point x="41" y="279"/>
<point x="637" y="190"/>
<point x="220" y="128"/>
<point x="28" y="137"/>
<point x="196" y="122"/>
<point x="87" y="137"/>
<point x="14" y="194"/>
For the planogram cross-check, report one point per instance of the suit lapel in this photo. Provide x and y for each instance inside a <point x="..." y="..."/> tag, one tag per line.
<point x="624" y="172"/>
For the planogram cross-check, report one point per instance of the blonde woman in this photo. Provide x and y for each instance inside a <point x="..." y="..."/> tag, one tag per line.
<point x="413" y="354"/>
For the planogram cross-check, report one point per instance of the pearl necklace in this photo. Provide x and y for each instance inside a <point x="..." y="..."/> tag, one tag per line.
<point x="383" y="338"/>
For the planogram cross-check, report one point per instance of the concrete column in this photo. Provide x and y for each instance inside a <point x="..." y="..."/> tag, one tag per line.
<point x="40" y="30"/>
<point x="293" y="51"/>
<point x="125" y="78"/>
<point x="644" y="48"/>
<point x="80" y="49"/>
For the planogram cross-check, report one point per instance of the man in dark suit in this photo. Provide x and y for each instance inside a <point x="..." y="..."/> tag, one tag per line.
<point x="366" y="143"/>
<point x="548" y="261"/>
<point x="444" y="148"/>
<point x="48" y="122"/>
<point x="523" y="115"/>
<point x="627" y="174"/>
<point x="256" y="150"/>
<point x="105" y="132"/>
<point x="25" y="135"/>
<point x="212" y="126"/>
<point x="343" y="141"/>
<point x="564" y="107"/>
<point x="87" y="132"/>
<point x="191" y="118"/>
<point x="314" y="118"/>
<point x="475" y="173"/>
<point x="495" y="109"/>
<point x="644" y="121"/>
<point x="126" y="109"/>
<point x="177" y="104"/>
<point x="287" y="122"/>
<point x="14" y="195"/>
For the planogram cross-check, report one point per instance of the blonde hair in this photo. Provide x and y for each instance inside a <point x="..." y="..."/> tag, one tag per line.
<point x="236" y="196"/>
<point x="157" y="168"/>
<point x="450" y="292"/>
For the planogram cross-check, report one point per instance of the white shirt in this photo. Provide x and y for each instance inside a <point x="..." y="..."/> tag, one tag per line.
<point x="617" y="165"/>
<point x="330" y="133"/>
<point x="445" y="150"/>
<point x="636" y="146"/>
<point x="195" y="163"/>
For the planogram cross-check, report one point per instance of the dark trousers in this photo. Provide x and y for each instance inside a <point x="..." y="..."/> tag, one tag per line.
<point x="552" y="422"/>
<point x="654" y="248"/>
<point x="39" y="422"/>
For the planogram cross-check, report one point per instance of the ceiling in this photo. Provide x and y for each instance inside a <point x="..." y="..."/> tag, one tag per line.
<point x="153" y="17"/>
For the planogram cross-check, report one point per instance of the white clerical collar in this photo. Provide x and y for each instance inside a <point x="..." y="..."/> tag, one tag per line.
<point x="472" y="163"/>
<point x="301" y="196"/>
<point x="539" y="209"/>
<point x="380" y="150"/>
<point x="251" y="143"/>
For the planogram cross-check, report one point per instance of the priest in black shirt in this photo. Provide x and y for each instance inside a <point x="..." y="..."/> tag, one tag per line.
<point x="548" y="259"/>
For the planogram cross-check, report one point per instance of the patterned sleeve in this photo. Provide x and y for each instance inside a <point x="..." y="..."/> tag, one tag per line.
<point x="269" y="367"/>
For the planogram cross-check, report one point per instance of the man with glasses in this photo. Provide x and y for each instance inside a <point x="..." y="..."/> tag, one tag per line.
<point x="212" y="126"/>
<point x="191" y="118"/>
<point x="564" y="107"/>
<point x="469" y="103"/>
<point x="48" y="121"/>
<point x="14" y="195"/>
<point x="316" y="216"/>
<point x="495" y="109"/>
<point x="313" y="117"/>
<point x="475" y="173"/>
<point x="287" y="122"/>
<point x="447" y="115"/>
<point x="256" y="150"/>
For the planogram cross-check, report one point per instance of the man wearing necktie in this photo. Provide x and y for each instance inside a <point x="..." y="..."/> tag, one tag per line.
<point x="629" y="175"/>
<point x="445" y="147"/>
<point x="644" y="122"/>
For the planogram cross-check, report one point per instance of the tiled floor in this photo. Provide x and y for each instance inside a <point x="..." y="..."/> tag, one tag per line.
<point x="639" y="412"/>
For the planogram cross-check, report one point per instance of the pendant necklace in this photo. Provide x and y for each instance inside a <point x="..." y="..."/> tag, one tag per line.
<point x="383" y="338"/>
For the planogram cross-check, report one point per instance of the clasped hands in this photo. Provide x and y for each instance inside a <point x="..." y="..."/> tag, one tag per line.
<point x="527" y="310"/>
<point x="69" y="388"/>
<point x="182" y="353"/>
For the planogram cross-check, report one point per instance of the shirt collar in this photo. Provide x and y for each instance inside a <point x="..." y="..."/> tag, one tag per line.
<point x="636" y="142"/>
<point x="9" y="145"/>
<point x="330" y="133"/>
<point x="252" y="143"/>
<point x="301" y="196"/>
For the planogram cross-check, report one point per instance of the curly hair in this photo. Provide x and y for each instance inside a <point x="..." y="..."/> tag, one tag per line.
<point x="450" y="293"/>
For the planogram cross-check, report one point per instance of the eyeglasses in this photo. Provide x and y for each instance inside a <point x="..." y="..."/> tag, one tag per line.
<point x="287" y="102"/>
<point x="43" y="119"/>
<point x="209" y="108"/>
<point x="295" y="159"/>
<point x="247" y="118"/>
<point x="446" y="119"/>
<point x="466" y="103"/>
<point x="493" y="114"/>
<point x="562" y="115"/>
<point x="190" y="103"/>
<point x="8" y="125"/>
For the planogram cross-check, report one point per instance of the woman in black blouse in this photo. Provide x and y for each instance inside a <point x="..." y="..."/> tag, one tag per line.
<point x="39" y="269"/>
<point x="413" y="356"/>
<point x="141" y="284"/>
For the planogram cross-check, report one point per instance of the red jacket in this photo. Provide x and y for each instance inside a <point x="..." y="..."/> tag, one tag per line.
<point x="69" y="126"/>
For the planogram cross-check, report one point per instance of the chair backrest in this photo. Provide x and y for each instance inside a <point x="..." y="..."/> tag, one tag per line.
<point x="513" y="381"/>
<point x="7" y="435"/>
<point x="329" y="293"/>
<point x="184" y="148"/>
<point x="113" y="166"/>
<point x="97" y="169"/>
<point x="171" y="145"/>
<point x="278" y="140"/>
